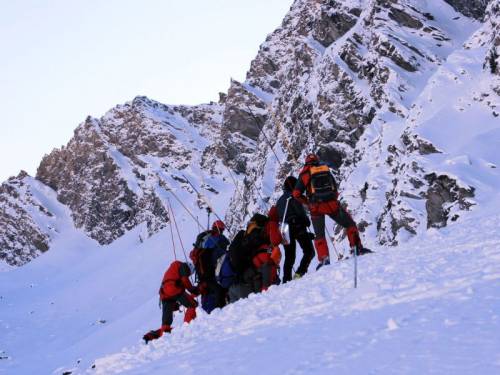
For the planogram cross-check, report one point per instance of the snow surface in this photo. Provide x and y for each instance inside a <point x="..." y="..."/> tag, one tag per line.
<point x="431" y="306"/>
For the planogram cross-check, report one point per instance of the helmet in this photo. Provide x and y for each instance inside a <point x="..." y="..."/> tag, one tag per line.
<point x="290" y="183"/>
<point x="191" y="267"/>
<point x="218" y="225"/>
<point x="312" y="159"/>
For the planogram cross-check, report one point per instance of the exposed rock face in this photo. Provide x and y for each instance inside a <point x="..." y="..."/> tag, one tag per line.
<point x="21" y="236"/>
<point x="359" y="82"/>
<point x="442" y="195"/>
<point x="470" y="8"/>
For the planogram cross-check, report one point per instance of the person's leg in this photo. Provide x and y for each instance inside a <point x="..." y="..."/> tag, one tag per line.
<point x="306" y="244"/>
<point x="290" y="251"/>
<point x="209" y="300"/>
<point x="188" y="301"/>
<point x="318" y="222"/>
<point x="221" y="296"/>
<point x="168" y="307"/>
<point x="344" y="219"/>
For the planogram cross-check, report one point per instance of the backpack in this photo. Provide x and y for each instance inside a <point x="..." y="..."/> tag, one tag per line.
<point x="323" y="187"/>
<point x="201" y="258"/>
<point x="224" y="272"/>
<point x="238" y="256"/>
<point x="255" y="235"/>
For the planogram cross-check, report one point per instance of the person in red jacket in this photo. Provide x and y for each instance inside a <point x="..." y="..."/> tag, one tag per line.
<point x="173" y="294"/>
<point x="266" y="254"/>
<point x="317" y="182"/>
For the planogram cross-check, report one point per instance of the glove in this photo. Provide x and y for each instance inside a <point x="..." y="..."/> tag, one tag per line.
<point x="312" y="236"/>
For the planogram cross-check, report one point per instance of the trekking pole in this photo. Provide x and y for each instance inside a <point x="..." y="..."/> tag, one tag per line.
<point x="356" y="266"/>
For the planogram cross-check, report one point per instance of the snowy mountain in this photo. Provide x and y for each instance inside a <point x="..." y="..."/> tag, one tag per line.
<point x="400" y="96"/>
<point x="355" y="81"/>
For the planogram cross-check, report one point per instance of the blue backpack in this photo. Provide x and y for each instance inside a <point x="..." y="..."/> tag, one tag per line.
<point x="224" y="272"/>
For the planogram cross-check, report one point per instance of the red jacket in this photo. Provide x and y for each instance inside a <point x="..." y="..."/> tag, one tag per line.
<point x="176" y="281"/>
<point x="272" y="227"/>
<point x="303" y="184"/>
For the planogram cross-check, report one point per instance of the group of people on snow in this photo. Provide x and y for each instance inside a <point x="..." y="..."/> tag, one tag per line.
<point x="226" y="271"/>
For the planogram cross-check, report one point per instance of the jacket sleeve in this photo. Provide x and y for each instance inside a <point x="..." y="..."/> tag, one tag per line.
<point x="300" y="187"/>
<point x="274" y="233"/>
<point x="184" y="274"/>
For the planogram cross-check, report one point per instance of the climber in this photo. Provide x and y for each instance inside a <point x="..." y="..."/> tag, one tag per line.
<point x="321" y="197"/>
<point x="298" y="222"/>
<point x="255" y="256"/>
<point x="215" y="246"/>
<point x="173" y="294"/>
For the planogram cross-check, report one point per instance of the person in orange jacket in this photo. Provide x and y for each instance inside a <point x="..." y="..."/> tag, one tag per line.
<point x="173" y="293"/>
<point x="321" y="196"/>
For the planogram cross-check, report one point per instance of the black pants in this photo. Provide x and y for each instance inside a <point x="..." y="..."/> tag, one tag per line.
<point x="297" y="234"/>
<point x="244" y="286"/>
<point x="171" y="305"/>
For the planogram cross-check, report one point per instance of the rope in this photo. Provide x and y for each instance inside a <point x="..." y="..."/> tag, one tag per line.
<point x="169" y="189"/>
<point x="206" y="200"/>
<point x="257" y="121"/>
<point x="171" y="214"/>
<point x="178" y="232"/>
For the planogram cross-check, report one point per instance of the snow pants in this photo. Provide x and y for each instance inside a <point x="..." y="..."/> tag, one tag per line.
<point x="298" y="234"/>
<point x="172" y="304"/>
<point x="340" y="216"/>
<point x="214" y="298"/>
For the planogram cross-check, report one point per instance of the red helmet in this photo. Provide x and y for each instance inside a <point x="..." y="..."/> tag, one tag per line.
<point x="312" y="159"/>
<point x="218" y="225"/>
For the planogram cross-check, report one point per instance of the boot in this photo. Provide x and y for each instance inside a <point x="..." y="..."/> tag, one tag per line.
<point x="324" y="262"/>
<point x="152" y="335"/>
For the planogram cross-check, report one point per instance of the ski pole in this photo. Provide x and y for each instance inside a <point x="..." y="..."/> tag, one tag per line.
<point x="356" y="266"/>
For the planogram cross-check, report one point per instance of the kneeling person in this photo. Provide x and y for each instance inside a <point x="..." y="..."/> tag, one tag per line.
<point x="172" y="295"/>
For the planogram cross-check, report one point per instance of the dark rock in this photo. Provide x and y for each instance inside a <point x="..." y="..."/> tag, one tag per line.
<point x="328" y="28"/>
<point x="443" y="193"/>
<point x="470" y="8"/>
<point x="404" y="19"/>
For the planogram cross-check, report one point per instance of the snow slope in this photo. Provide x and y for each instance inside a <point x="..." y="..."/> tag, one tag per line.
<point x="433" y="306"/>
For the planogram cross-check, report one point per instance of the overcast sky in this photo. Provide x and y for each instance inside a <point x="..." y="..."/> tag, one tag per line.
<point x="63" y="60"/>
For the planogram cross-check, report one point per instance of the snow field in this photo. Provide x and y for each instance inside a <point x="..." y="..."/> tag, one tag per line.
<point x="432" y="306"/>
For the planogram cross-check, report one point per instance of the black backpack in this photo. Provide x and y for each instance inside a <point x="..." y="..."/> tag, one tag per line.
<point x="323" y="186"/>
<point x="247" y="242"/>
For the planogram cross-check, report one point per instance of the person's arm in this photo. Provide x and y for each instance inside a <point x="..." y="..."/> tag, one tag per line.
<point x="184" y="273"/>
<point x="274" y="233"/>
<point x="300" y="187"/>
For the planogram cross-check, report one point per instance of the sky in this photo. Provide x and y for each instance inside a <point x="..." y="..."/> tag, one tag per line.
<point x="63" y="60"/>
